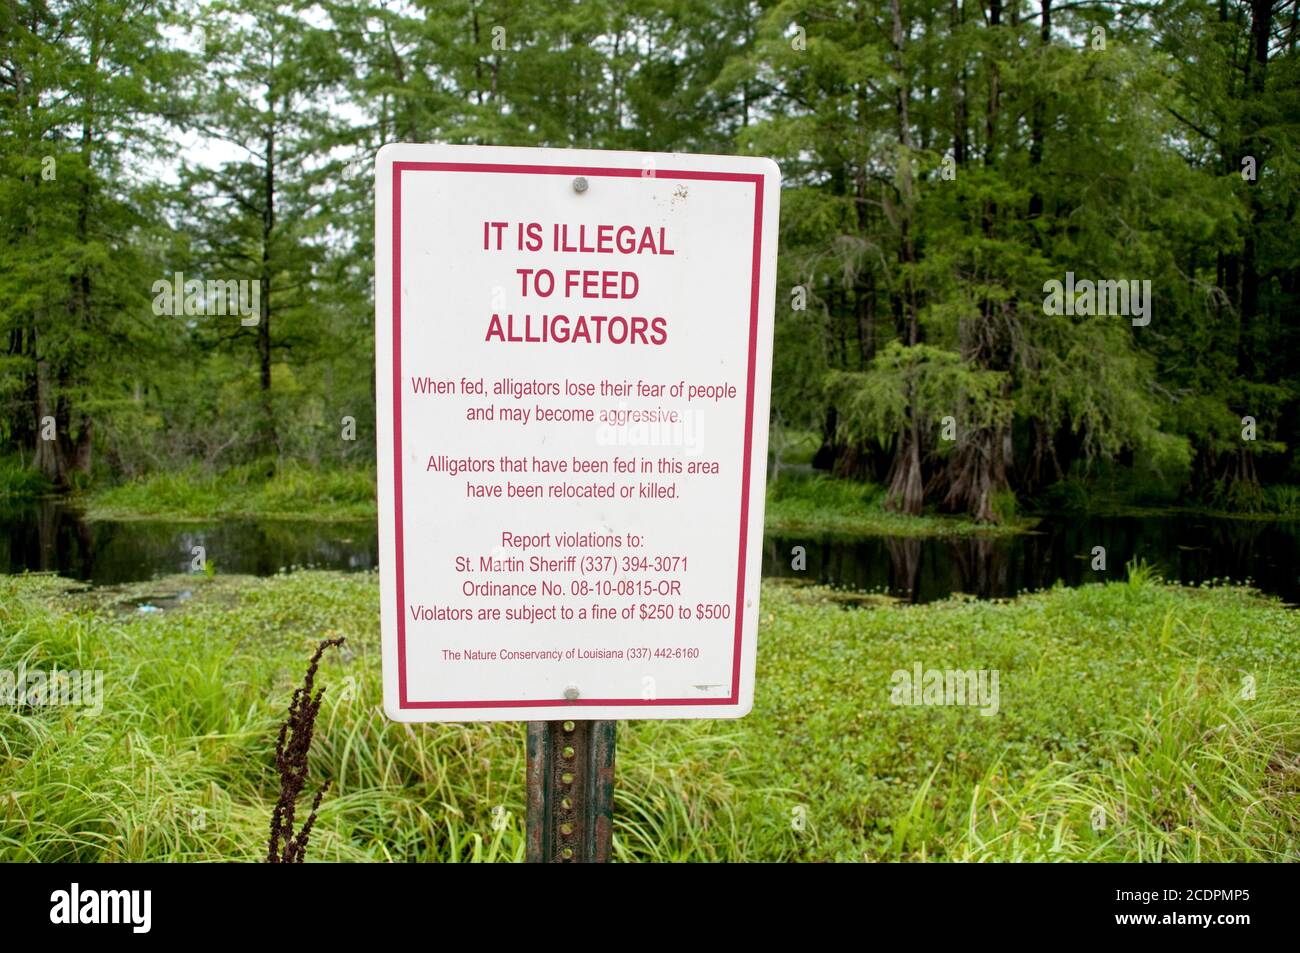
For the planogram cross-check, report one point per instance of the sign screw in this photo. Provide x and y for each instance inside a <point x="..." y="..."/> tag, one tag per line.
<point x="571" y="693"/>
<point x="580" y="184"/>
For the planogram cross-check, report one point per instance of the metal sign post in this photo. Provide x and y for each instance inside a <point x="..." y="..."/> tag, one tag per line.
<point x="570" y="791"/>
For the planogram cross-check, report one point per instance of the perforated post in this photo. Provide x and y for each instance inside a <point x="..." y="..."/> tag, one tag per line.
<point x="570" y="791"/>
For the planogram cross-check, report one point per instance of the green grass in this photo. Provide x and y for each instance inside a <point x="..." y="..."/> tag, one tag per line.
<point x="1124" y="698"/>
<point x="251" y="490"/>
<point x="20" y="483"/>
<point x="845" y="508"/>
<point x="795" y="504"/>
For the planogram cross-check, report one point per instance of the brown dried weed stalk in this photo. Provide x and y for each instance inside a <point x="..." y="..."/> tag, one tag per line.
<point x="291" y="751"/>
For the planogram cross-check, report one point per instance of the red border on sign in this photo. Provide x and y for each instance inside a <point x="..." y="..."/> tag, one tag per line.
<point x="756" y="180"/>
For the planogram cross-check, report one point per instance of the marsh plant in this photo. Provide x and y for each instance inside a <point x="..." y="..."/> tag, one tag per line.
<point x="292" y="749"/>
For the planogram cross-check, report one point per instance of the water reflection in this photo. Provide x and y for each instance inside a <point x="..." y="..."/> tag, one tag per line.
<point x="52" y="537"/>
<point x="1185" y="548"/>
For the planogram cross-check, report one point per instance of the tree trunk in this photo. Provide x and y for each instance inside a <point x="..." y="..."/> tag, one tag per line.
<point x="906" y="492"/>
<point x="267" y="438"/>
<point x="1038" y="122"/>
<point x="1256" y="66"/>
<point x="47" y="458"/>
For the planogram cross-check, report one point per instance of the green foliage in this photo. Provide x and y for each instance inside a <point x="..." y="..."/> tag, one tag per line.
<point x="937" y="172"/>
<point x="1238" y="497"/>
<point x="19" y="482"/>
<point x="920" y="383"/>
<point x="1140" y="574"/>
<point x="261" y="488"/>
<point x="1071" y="495"/>
<point x="1005" y="507"/>
<point x="1022" y="157"/>
<point x="1126" y="696"/>
<point x="77" y="232"/>
<point x="1283" y="500"/>
<point x="829" y="507"/>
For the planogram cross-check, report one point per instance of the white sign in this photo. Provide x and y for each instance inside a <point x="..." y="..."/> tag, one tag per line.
<point x="573" y="368"/>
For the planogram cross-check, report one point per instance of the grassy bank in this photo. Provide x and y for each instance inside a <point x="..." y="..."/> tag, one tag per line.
<point x="845" y="508"/>
<point x="20" y="483"/>
<point x="1123" y="701"/>
<point x="798" y="504"/>
<point x="289" y="490"/>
